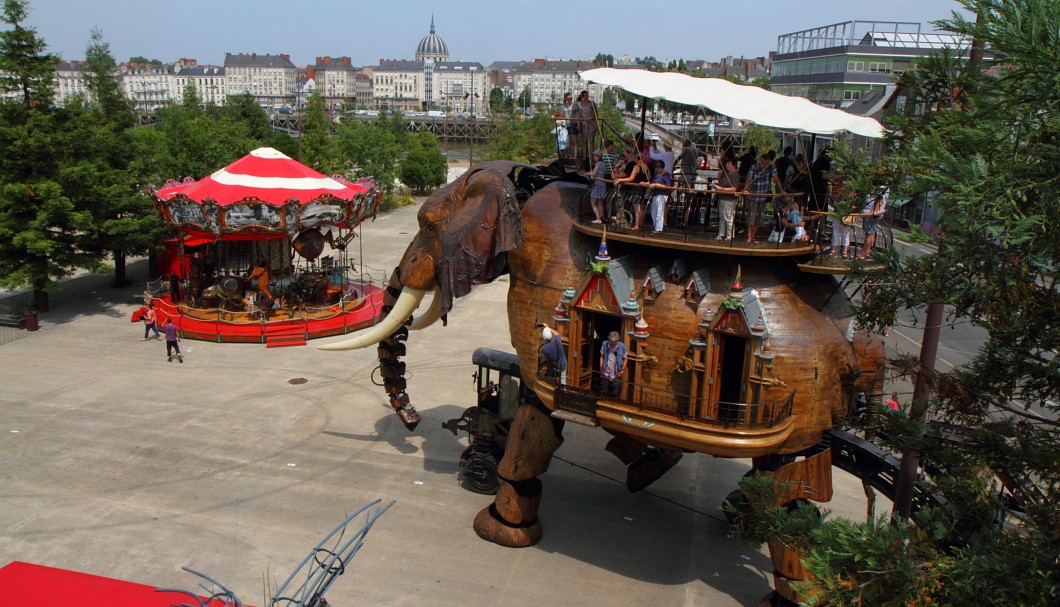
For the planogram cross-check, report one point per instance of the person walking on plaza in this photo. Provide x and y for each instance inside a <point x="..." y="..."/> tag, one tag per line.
<point x="171" y="340"/>
<point x="150" y="322"/>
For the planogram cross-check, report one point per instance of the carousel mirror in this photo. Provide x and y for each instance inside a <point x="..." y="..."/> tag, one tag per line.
<point x="316" y="213"/>
<point x="186" y="212"/>
<point x="239" y="216"/>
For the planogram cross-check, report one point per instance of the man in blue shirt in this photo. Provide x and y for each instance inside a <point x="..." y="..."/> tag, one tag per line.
<point x="553" y="354"/>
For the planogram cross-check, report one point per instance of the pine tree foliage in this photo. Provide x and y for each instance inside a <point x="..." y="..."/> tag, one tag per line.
<point x="26" y="69"/>
<point x="985" y="150"/>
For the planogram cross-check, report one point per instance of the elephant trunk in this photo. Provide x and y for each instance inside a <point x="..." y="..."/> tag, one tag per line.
<point x="399" y="302"/>
<point x="400" y="311"/>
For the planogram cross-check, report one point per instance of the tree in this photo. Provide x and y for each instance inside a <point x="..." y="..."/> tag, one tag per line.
<point x="372" y="151"/>
<point x="497" y="101"/>
<point x="39" y="224"/>
<point x="318" y="147"/>
<point x="604" y="60"/>
<point x="985" y="148"/>
<point x="25" y="68"/>
<point x="98" y="171"/>
<point x="424" y="167"/>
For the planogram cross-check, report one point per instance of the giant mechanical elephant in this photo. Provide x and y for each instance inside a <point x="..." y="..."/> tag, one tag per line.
<point x="794" y="362"/>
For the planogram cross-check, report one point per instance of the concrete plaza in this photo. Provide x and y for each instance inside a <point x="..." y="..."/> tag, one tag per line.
<point x="117" y="463"/>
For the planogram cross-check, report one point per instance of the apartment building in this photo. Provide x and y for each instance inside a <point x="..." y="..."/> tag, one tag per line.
<point x="271" y="79"/>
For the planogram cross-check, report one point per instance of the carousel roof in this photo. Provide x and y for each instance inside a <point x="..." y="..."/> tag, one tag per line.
<point x="267" y="175"/>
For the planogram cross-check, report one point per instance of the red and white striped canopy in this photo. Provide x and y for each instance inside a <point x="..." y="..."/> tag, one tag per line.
<point x="266" y="175"/>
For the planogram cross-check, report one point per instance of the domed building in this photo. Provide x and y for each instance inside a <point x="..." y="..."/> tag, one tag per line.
<point x="431" y="81"/>
<point x="432" y="47"/>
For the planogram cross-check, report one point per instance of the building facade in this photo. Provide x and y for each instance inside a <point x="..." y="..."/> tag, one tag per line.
<point x="271" y="79"/>
<point x="835" y="65"/>
<point x="149" y="86"/>
<point x="208" y="82"/>
<point x="336" y="80"/>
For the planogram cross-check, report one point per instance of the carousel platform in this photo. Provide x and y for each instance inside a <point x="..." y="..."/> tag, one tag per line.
<point x="360" y="307"/>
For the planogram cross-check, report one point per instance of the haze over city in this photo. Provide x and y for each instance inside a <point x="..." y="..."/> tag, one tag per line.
<point x="474" y="30"/>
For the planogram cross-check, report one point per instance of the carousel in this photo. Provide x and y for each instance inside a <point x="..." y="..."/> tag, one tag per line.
<point x="262" y="254"/>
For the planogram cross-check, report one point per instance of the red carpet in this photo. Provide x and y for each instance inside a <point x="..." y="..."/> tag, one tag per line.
<point x="29" y="585"/>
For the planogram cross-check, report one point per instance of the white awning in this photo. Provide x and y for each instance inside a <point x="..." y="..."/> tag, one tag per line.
<point x="747" y="103"/>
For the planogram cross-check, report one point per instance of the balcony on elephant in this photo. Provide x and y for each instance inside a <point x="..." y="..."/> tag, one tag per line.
<point x="680" y="421"/>
<point x="690" y="220"/>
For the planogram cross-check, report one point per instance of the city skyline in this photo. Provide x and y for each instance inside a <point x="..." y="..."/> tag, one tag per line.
<point x="205" y="31"/>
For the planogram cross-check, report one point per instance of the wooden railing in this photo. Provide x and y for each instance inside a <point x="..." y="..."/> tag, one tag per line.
<point x="682" y="407"/>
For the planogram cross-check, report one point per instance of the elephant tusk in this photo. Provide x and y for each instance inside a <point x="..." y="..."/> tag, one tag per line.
<point x="405" y="305"/>
<point x="431" y="316"/>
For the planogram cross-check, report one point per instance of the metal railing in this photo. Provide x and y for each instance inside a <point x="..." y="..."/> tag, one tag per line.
<point x="692" y="214"/>
<point x="683" y="407"/>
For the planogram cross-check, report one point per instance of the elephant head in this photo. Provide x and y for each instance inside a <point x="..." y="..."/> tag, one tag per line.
<point x="465" y="232"/>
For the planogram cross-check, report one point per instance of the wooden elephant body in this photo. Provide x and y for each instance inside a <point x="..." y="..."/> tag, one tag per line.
<point x="733" y="355"/>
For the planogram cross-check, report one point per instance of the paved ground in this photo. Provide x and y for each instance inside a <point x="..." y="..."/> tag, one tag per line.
<point x="117" y="463"/>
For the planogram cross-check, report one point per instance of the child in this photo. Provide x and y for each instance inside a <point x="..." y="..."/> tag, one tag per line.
<point x="795" y="220"/>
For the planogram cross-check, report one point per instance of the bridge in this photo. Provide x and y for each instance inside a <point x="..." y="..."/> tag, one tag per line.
<point x="446" y="128"/>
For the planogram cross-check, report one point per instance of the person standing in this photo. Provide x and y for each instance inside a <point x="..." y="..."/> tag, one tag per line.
<point x="785" y="165"/>
<point x="874" y="207"/>
<point x="667" y="156"/>
<point x="728" y="182"/>
<point x="688" y="160"/>
<point x="757" y="185"/>
<point x="553" y="354"/>
<point x="587" y="116"/>
<point x="172" y="337"/>
<point x="599" y="191"/>
<point x="612" y="364"/>
<point x="659" y="198"/>
<point x="151" y="322"/>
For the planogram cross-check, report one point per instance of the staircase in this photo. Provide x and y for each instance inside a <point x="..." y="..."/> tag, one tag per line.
<point x="281" y="335"/>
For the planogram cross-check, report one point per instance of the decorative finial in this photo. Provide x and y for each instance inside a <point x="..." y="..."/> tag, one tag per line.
<point x="601" y="254"/>
<point x="432" y="23"/>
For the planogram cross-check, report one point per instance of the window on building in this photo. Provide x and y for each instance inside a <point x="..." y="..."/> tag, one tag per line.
<point x="855" y="66"/>
<point x="849" y="95"/>
<point x="878" y="68"/>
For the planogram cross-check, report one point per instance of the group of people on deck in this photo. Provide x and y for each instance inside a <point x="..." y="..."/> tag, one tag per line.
<point x="575" y="129"/>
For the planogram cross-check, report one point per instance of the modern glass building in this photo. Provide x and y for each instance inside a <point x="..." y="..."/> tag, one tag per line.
<point x="835" y="65"/>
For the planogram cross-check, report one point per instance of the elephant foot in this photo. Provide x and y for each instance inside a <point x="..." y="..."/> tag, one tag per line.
<point x="649" y="468"/>
<point x="491" y="527"/>
<point x="405" y="411"/>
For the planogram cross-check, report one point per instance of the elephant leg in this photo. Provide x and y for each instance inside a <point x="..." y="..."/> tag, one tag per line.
<point x="389" y="351"/>
<point x="511" y="520"/>
<point x="809" y="478"/>
<point x="644" y="464"/>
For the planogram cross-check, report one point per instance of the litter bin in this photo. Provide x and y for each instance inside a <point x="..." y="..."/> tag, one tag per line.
<point x="30" y="320"/>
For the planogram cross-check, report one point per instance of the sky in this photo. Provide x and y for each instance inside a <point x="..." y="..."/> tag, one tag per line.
<point x="474" y="30"/>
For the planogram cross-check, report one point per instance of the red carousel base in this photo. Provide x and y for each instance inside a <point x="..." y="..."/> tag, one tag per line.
<point x="362" y="307"/>
<point x="41" y="586"/>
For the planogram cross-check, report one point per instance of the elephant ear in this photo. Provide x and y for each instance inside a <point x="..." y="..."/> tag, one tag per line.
<point x="484" y="223"/>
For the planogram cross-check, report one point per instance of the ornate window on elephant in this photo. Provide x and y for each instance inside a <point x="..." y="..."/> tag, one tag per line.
<point x="653" y="285"/>
<point x="732" y="363"/>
